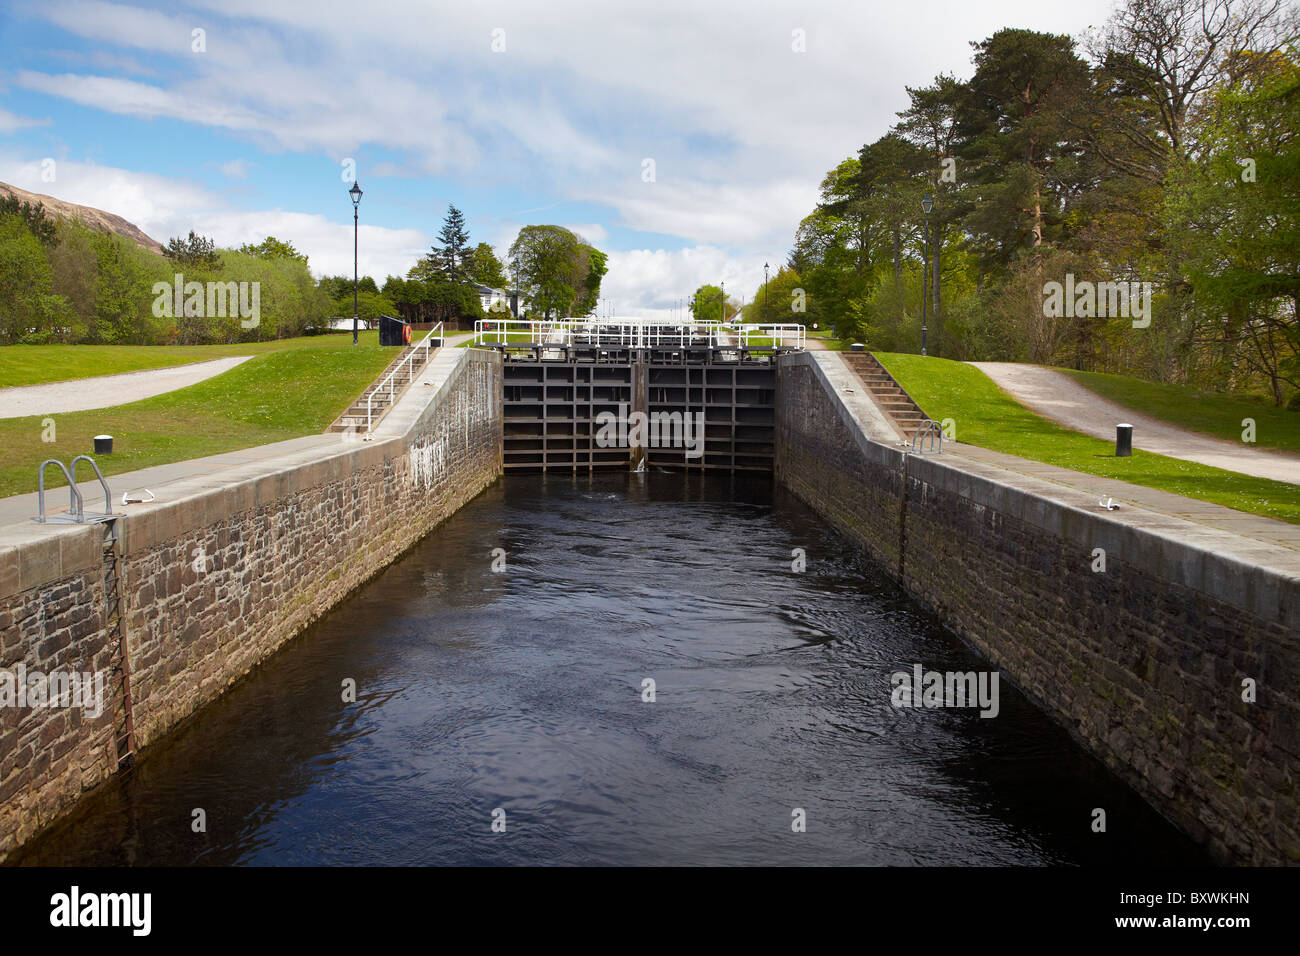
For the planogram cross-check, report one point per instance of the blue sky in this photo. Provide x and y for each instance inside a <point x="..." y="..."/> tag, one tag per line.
<point x="518" y="113"/>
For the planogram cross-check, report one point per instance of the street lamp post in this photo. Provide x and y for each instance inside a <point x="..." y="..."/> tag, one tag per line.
<point x="722" y="307"/>
<point x="926" y="205"/>
<point x="355" y="193"/>
<point x="764" y="313"/>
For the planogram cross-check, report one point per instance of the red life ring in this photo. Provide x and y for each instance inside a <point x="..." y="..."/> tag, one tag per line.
<point x="406" y="334"/>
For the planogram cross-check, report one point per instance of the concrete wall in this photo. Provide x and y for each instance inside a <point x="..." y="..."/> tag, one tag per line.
<point x="1143" y="662"/>
<point x="221" y="572"/>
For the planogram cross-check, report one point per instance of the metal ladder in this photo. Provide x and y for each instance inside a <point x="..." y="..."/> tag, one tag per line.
<point x="931" y="430"/>
<point x="76" y="513"/>
<point x="115" y="628"/>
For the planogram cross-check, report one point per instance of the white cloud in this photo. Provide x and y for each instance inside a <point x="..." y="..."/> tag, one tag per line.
<point x="236" y="168"/>
<point x="9" y="122"/>
<point x="165" y="207"/>
<point x="591" y="231"/>
<point x="741" y="127"/>
<point x="654" y="282"/>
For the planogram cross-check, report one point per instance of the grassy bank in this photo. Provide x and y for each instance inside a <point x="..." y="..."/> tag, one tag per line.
<point x="41" y="364"/>
<point x="281" y="393"/>
<point x="1212" y="413"/>
<point x="984" y="415"/>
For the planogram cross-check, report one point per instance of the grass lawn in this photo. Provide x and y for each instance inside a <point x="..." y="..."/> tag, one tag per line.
<point x="282" y="393"/>
<point x="1212" y="413"/>
<point x="987" y="416"/>
<point x="39" y="364"/>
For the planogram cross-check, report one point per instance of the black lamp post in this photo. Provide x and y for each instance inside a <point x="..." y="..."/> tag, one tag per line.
<point x="927" y="204"/>
<point x="764" y="313"/>
<point x="355" y="193"/>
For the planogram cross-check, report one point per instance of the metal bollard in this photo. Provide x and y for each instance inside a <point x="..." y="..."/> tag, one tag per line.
<point x="1123" y="441"/>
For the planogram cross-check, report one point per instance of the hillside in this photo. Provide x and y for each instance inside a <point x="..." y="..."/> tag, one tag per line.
<point x="88" y="216"/>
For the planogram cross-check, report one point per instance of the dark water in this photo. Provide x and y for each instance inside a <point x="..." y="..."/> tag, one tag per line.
<point x="521" y="690"/>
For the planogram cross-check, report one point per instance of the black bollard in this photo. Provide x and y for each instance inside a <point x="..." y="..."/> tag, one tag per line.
<point x="103" y="444"/>
<point x="1123" y="441"/>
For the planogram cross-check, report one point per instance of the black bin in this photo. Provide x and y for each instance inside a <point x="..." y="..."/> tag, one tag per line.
<point x="393" y="331"/>
<point x="1123" y="440"/>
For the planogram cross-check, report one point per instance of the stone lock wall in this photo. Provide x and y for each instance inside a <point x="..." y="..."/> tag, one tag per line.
<point x="216" y="581"/>
<point x="1143" y="663"/>
<point x="49" y="756"/>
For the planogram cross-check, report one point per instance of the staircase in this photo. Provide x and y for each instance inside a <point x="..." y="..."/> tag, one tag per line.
<point x="384" y="392"/>
<point x="888" y="394"/>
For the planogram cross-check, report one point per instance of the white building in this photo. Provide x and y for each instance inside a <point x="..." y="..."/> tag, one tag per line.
<point x="496" y="301"/>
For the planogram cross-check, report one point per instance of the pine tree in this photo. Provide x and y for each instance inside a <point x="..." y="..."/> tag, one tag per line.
<point x="449" y="259"/>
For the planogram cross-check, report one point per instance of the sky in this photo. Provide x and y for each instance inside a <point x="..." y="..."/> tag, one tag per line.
<point x="686" y="139"/>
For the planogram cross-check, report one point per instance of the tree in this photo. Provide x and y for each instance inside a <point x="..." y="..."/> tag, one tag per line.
<point x="452" y="259"/>
<point x="273" y="248"/>
<point x="336" y="286"/>
<point x="484" y="267"/>
<point x="1164" y="56"/>
<point x="370" y="305"/>
<point x="196" y="251"/>
<point x="29" y="311"/>
<point x="596" y="267"/>
<point x="35" y="218"/>
<point x="433" y="300"/>
<point x="706" y="305"/>
<point x="558" y="272"/>
<point x="1017" y="131"/>
<point x="1235" y="227"/>
<point x="772" y="303"/>
<point x="119" y="293"/>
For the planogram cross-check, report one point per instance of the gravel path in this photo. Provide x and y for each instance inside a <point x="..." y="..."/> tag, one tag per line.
<point x="104" y="391"/>
<point x="1062" y="399"/>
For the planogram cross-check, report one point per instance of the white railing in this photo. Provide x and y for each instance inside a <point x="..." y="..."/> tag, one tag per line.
<point x="390" y="378"/>
<point x="633" y="333"/>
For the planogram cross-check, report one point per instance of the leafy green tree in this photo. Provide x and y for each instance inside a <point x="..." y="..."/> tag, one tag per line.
<point x="596" y="265"/>
<point x="558" y="273"/>
<point x="29" y="309"/>
<point x="370" y="305"/>
<point x="433" y="300"/>
<point x="1234" y="219"/>
<point x="194" y="251"/>
<point x="706" y="304"/>
<point x="484" y="267"/>
<point x="774" y="304"/>
<point x="119" y="316"/>
<point x="273" y="248"/>
<point x="34" y="216"/>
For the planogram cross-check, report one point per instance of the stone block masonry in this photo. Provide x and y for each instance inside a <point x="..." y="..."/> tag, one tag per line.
<point x="219" y="573"/>
<point x="1143" y="662"/>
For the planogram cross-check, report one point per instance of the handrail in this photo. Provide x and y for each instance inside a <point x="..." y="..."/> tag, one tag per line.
<point x="389" y="379"/>
<point x="932" y="430"/>
<point x="108" y="495"/>
<point x="74" y="496"/>
<point x="635" y="333"/>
